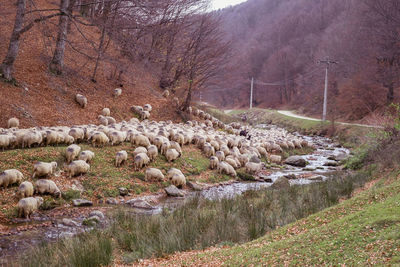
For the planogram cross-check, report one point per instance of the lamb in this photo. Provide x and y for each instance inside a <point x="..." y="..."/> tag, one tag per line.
<point x="10" y="177"/>
<point x="25" y="189"/>
<point x="81" y="100"/>
<point x="225" y="168"/>
<point x="31" y="138"/>
<point x="13" y="123"/>
<point x="117" y="92"/>
<point x="165" y="93"/>
<point x="140" y="160"/>
<point x="252" y="167"/>
<point x="99" y="139"/>
<point x="77" y="167"/>
<point x="147" y="107"/>
<point x="153" y="173"/>
<point x="172" y="154"/>
<point x="43" y="186"/>
<point x="86" y="156"/>
<point x="28" y="206"/>
<point x="213" y="162"/>
<point x="152" y="151"/>
<point x="105" y="112"/>
<point x="120" y="158"/>
<point x="41" y="169"/>
<point x="275" y="159"/>
<point x="178" y="180"/>
<point x="72" y="152"/>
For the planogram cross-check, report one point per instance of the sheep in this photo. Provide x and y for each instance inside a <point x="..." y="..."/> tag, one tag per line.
<point x="103" y="120"/>
<point x="178" y="180"/>
<point x="110" y="120"/>
<point x="81" y="100"/>
<point x="105" y="112"/>
<point x="99" y="138"/>
<point x="117" y="92"/>
<point x="120" y="158"/>
<point x="171" y="173"/>
<point x="153" y="173"/>
<point x="152" y="151"/>
<point x="176" y="101"/>
<point x="72" y="152"/>
<point x="30" y="138"/>
<point x="13" y="123"/>
<point x="44" y="186"/>
<point x="176" y="146"/>
<point x="41" y="169"/>
<point x="171" y="154"/>
<point x="7" y="141"/>
<point x="252" y="167"/>
<point x="52" y="138"/>
<point x="25" y="189"/>
<point x="213" y="162"/>
<point x="138" y="150"/>
<point x="164" y="147"/>
<point x="77" y="133"/>
<point x="243" y="159"/>
<point x="224" y="168"/>
<point x="145" y="115"/>
<point x="10" y="177"/>
<point x="208" y="150"/>
<point x="147" y="107"/>
<point x="117" y="137"/>
<point x="137" y="109"/>
<point x="86" y="156"/>
<point x="77" y="167"/>
<point x="141" y="140"/>
<point x="275" y="159"/>
<point x="140" y="160"/>
<point x="165" y="93"/>
<point x="220" y="155"/>
<point x="231" y="161"/>
<point x="28" y="206"/>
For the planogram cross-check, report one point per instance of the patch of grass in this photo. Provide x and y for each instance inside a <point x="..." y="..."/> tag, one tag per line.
<point x="71" y="194"/>
<point x="245" y="176"/>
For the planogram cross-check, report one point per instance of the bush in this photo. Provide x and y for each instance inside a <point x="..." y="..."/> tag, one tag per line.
<point x="71" y="194"/>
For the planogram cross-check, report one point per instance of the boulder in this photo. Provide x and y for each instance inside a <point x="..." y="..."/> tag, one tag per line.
<point x="296" y="161"/>
<point x="281" y="183"/>
<point x="82" y="202"/>
<point x="112" y="201"/>
<point x="194" y="186"/>
<point x="173" y="191"/>
<point x="97" y="213"/>
<point x="331" y="163"/>
<point x="290" y="176"/>
<point x="69" y="222"/>
<point x="140" y="204"/>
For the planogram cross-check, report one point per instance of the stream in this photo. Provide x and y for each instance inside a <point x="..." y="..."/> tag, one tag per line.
<point x="44" y="228"/>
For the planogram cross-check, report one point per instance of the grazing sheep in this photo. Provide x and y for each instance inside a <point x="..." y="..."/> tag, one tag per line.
<point x="208" y="150"/>
<point x="220" y="155"/>
<point x="138" y="150"/>
<point x="41" y="169"/>
<point x="10" y="177"/>
<point x="25" y="189"/>
<point x="171" y="154"/>
<point x="145" y="115"/>
<point x="43" y="186"/>
<point x="77" y="133"/>
<point x="152" y="151"/>
<point x="176" y="146"/>
<point x="213" y="162"/>
<point x="31" y="138"/>
<point x="28" y="206"/>
<point x="117" y="92"/>
<point x="252" y="167"/>
<point x="141" y="140"/>
<point x="117" y="137"/>
<point x="7" y="141"/>
<point x="72" y="152"/>
<point x="231" y="161"/>
<point x="178" y="180"/>
<point x="173" y="171"/>
<point x="140" y="160"/>
<point x="147" y="107"/>
<point x="103" y="120"/>
<point x="13" y="123"/>
<point x="120" y="158"/>
<point x="165" y="93"/>
<point x="110" y="120"/>
<point x="224" y="168"/>
<point x="105" y="112"/>
<point x="243" y="159"/>
<point x="275" y="159"/>
<point x="81" y="100"/>
<point x="137" y="109"/>
<point x="153" y="173"/>
<point x="164" y="147"/>
<point x="99" y="139"/>
<point x="86" y="156"/>
<point x="77" y="167"/>
<point x="52" y="138"/>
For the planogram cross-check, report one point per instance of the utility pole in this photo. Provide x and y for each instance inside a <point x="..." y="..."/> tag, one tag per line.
<point x="251" y="93"/>
<point x="328" y="62"/>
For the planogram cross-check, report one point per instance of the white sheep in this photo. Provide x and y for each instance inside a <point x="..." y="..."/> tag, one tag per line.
<point x="77" y="167"/>
<point x="139" y="149"/>
<point x="81" y="100"/>
<point x="99" y="139"/>
<point x="110" y="120"/>
<point x="13" y="123"/>
<point x="103" y="120"/>
<point x="72" y="152"/>
<point x="152" y="151"/>
<point x="225" y="168"/>
<point x="140" y="160"/>
<point x="117" y="137"/>
<point x="147" y="107"/>
<point x="213" y="162"/>
<point x="120" y="158"/>
<point x="178" y="180"/>
<point x="171" y="154"/>
<point x="275" y="159"/>
<point x="173" y="171"/>
<point x="44" y="186"/>
<point x="105" y="112"/>
<point x="86" y="156"/>
<point x="165" y="93"/>
<point x="28" y="206"/>
<point x="153" y="173"/>
<point x="117" y="92"/>
<point x="252" y="167"/>
<point x="41" y="169"/>
<point x="7" y="141"/>
<point x="145" y="115"/>
<point x="25" y="189"/>
<point x="141" y="140"/>
<point x="31" y="138"/>
<point x="77" y="133"/>
<point x="10" y="177"/>
<point x="176" y="146"/>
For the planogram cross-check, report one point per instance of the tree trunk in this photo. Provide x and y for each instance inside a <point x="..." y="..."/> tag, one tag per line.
<point x="7" y="66"/>
<point x="99" y="53"/>
<point x="390" y="94"/>
<point x="57" y="63"/>
<point x="188" y="99"/>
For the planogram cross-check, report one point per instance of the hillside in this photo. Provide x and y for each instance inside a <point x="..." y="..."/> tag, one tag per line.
<point x="42" y="98"/>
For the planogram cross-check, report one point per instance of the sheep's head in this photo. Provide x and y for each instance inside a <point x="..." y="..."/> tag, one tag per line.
<point x="39" y="201"/>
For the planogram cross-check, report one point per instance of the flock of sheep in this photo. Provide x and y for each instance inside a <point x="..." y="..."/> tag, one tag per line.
<point x="221" y="143"/>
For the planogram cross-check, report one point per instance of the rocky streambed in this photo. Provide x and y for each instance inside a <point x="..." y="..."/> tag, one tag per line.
<point x="61" y="223"/>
